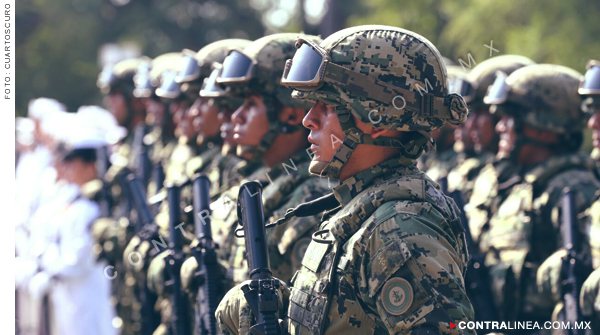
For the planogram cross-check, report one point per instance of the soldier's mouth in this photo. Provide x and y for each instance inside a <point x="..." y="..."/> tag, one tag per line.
<point x="596" y="138"/>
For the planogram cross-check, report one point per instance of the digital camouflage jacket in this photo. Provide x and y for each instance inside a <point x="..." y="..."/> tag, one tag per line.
<point x="525" y="230"/>
<point x="462" y="176"/>
<point x="390" y="259"/>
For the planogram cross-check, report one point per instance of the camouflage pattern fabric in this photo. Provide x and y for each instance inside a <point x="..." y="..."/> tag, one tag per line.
<point x="589" y="298"/>
<point x="542" y="84"/>
<point x="222" y="173"/>
<point x="593" y="217"/>
<point x="462" y="176"/>
<point x="441" y="164"/>
<point x="390" y="55"/>
<point x="286" y="179"/>
<point x="223" y="219"/>
<point x="287" y="242"/>
<point x="392" y="263"/>
<point x="525" y="230"/>
<point x="490" y="188"/>
<point x="484" y="73"/>
<point x="113" y="234"/>
<point x="389" y="78"/>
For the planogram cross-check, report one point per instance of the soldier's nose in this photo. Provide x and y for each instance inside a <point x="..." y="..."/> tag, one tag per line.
<point x="594" y="121"/>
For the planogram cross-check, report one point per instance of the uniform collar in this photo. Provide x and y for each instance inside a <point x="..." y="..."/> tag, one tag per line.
<point x="352" y="186"/>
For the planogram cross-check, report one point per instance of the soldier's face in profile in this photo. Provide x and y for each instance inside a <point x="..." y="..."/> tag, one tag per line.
<point x="227" y="130"/>
<point x="481" y="129"/>
<point x="506" y="129"/>
<point x="462" y="133"/>
<point x="205" y="117"/>
<point x="115" y="103"/>
<point x="594" y="125"/>
<point x="250" y="122"/>
<point x="326" y="133"/>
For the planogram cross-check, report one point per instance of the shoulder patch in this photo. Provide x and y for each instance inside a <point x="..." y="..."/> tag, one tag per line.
<point x="397" y="296"/>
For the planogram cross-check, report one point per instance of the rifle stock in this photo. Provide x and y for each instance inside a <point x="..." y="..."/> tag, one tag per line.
<point x="261" y="294"/>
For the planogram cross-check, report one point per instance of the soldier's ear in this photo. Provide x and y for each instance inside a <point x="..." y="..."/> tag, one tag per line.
<point x="292" y="116"/>
<point x="375" y="132"/>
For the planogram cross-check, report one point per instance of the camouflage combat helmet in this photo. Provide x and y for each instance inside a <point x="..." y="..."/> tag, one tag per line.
<point x="258" y="69"/>
<point x="543" y="96"/>
<point x="199" y="66"/>
<point x="165" y="69"/>
<point x="484" y="74"/>
<point x="589" y="88"/>
<point x="387" y="77"/>
<point x="120" y="76"/>
<point x="149" y="74"/>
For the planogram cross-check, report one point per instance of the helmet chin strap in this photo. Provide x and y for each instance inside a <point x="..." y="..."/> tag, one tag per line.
<point x="276" y="127"/>
<point x="353" y="137"/>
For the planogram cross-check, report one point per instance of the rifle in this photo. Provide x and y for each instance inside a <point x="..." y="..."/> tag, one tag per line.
<point x="144" y="225"/>
<point x="102" y="165"/>
<point x="173" y="262"/>
<point x="477" y="276"/>
<point x="261" y="293"/>
<point x="573" y="268"/>
<point x="206" y="256"/>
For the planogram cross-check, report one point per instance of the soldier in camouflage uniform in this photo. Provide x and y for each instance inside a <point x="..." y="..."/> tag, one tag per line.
<point x="549" y="278"/>
<point x="113" y="233"/>
<point x="161" y="140"/>
<point x="476" y="140"/>
<point x="202" y="120"/>
<point x="390" y="254"/>
<point x="267" y="129"/>
<point x="196" y="136"/>
<point x="540" y="128"/>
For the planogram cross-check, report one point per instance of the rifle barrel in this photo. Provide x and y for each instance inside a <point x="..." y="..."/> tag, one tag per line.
<point x="252" y="217"/>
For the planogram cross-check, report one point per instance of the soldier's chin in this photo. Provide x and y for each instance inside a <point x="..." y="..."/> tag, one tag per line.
<point x="317" y="168"/>
<point x="247" y="152"/>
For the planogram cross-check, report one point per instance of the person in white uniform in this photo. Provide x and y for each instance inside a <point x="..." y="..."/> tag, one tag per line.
<point x="68" y="269"/>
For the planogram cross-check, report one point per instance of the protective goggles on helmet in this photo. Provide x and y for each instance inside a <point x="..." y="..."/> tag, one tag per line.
<point x="591" y="82"/>
<point x="144" y="85"/>
<point x="312" y="67"/>
<point x="210" y="88"/>
<point x="107" y="79"/>
<point x="240" y="69"/>
<point x="169" y="89"/>
<point x="500" y="92"/>
<point x="462" y="87"/>
<point x="190" y="67"/>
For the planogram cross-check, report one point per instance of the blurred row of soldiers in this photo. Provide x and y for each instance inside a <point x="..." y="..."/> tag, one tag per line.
<point x="224" y="114"/>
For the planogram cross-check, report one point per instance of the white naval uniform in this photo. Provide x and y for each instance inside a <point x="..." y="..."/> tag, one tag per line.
<point x="80" y="291"/>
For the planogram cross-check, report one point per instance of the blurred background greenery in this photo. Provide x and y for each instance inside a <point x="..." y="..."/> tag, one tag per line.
<point x="59" y="42"/>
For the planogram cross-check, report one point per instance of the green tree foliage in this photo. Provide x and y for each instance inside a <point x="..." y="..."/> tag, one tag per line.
<point x="548" y="31"/>
<point x="57" y="41"/>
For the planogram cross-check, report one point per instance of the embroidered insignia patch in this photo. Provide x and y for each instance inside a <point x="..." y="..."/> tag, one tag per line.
<point x="397" y="296"/>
